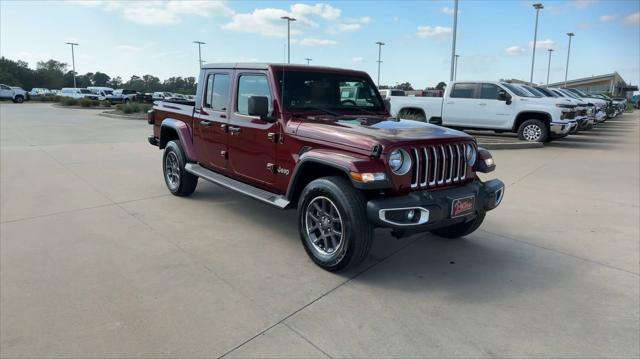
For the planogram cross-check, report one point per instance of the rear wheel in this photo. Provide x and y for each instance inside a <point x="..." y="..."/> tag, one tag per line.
<point x="18" y="99"/>
<point x="533" y="131"/>
<point x="178" y="180"/>
<point x="460" y="229"/>
<point x="333" y="224"/>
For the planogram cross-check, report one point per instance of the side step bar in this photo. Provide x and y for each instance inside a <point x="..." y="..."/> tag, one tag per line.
<point x="259" y="194"/>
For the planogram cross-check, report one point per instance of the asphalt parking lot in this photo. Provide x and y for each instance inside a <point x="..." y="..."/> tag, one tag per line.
<point x="99" y="260"/>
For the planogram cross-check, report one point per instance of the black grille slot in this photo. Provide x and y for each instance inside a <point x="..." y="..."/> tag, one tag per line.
<point x="439" y="165"/>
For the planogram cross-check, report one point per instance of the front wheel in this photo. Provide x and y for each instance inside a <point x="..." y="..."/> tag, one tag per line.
<point x="460" y="229"/>
<point x="19" y="99"/>
<point x="179" y="181"/>
<point x="533" y="131"/>
<point x="333" y="224"/>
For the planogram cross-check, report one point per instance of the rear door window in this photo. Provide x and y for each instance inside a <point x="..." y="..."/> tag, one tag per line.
<point x="463" y="90"/>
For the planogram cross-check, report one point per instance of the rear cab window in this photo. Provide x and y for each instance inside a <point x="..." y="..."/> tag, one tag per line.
<point x="217" y="91"/>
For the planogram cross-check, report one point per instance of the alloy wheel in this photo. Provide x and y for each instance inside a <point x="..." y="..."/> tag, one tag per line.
<point x="532" y="133"/>
<point x="172" y="170"/>
<point x="324" y="227"/>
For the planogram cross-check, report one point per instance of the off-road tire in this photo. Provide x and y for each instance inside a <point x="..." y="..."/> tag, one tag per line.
<point x="460" y="229"/>
<point x="537" y="126"/>
<point x="126" y="101"/>
<point x="357" y="231"/>
<point x="18" y="99"/>
<point x="186" y="182"/>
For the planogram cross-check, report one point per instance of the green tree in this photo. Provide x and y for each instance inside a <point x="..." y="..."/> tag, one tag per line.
<point x="406" y="86"/>
<point x="100" y="79"/>
<point x="16" y="73"/>
<point x="441" y="85"/>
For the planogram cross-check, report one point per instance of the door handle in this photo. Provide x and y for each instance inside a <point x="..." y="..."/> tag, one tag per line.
<point x="482" y="104"/>
<point x="223" y="116"/>
<point x="450" y="103"/>
<point x="234" y="130"/>
<point x="205" y="123"/>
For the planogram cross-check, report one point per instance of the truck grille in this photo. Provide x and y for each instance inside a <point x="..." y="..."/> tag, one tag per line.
<point x="438" y="166"/>
<point x="569" y="115"/>
<point x="582" y="112"/>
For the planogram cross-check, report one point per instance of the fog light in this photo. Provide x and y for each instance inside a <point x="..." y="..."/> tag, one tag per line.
<point x="410" y="215"/>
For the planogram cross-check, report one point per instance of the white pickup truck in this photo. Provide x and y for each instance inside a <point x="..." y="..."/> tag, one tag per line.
<point x="490" y="105"/>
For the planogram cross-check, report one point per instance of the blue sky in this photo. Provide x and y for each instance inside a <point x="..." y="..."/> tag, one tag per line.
<point x="156" y="37"/>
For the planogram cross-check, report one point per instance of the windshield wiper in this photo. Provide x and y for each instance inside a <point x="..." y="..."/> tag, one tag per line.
<point x="332" y="113"/>
<point x="364" y="110"/>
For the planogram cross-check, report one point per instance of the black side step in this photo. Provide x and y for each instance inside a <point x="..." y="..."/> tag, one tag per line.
<point x="261" y="195"/>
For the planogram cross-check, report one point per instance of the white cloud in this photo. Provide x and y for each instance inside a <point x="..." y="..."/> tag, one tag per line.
<point x="161" y="12"/>
<point x="268" y="22"/>
<point x="544" y="44"/>
<point x="357" y="59"/>
<point x="633" y="19"/>
<point x="314" y="42"/>
<point x="351" y="24"/>
<point x="324" y="11"/>
<point x="447" y="10"/>
<point x="433" y="31"/>
<point x="514" y="50"/>
<point x="607" y="18"/>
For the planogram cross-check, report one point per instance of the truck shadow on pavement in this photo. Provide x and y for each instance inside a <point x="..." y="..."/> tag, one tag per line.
<point x="480" y="267"/>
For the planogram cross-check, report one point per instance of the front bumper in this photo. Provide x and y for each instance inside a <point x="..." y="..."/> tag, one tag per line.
<point x="561" y="128"/>
<point x="433" y="209"/>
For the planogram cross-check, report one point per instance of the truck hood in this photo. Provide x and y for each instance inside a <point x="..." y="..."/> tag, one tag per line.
<point x="365" y="132"/>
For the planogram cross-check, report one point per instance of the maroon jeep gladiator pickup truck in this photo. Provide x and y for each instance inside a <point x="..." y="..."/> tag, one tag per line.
<point x="321" y="139"/>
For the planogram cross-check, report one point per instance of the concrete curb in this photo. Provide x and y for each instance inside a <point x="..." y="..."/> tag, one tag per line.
<point x="79" y="107"/>
<point x="510" y="145"/>
<point x="123" y="117"/>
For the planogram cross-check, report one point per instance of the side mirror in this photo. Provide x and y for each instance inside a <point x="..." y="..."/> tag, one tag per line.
<point x="259" y="106"/>
<point x="504" y="96"/>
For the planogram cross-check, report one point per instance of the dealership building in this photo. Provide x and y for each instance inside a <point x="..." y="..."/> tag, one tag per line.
<point x="612" y="83"/>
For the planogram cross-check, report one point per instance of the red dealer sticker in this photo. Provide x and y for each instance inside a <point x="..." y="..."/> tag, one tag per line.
<point x="462" y="206"/>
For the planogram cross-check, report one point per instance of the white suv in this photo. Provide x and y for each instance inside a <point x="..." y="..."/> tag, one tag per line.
<point x="15" y="94"/>
<point x="78" y="93"/>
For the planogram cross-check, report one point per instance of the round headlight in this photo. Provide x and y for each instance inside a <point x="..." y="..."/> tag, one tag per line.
<point x="399" y="161"/>
<point x="470" y="155"/>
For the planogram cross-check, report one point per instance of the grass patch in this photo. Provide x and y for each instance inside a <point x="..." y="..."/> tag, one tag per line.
<point x="629" y="107"/>
<point x="68" y="101"/>
<point x="133" y="107"/>
<point x="46" y="98"/>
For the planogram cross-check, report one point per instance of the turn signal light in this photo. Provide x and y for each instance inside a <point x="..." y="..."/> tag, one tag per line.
<point x="368" y="177"/>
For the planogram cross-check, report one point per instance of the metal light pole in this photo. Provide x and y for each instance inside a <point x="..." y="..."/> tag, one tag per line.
<point x="199" y="51"/>
<point x="73" y="61"/>
<point x="455" y="68"/>
<point x="289" y="19"/>
<point x="535" y="38"/>
<point x="549" y="66"/>
<point x="566" y="70"/>
<point x="453" y="45"/>
<point x="308" y="60"/>
<point x="380" y="44"/>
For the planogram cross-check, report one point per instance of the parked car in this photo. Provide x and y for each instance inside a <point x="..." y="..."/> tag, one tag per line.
<point x="123" y="96"/>
<point x="102" y="92"/>
<point x="78" y="93"/>
<point x="15" y="94"/>
<point x="592" y="110"/>
<point x="583" y="118"/>
<point x="600" y="105"/>
<point x="146" y="97"/>
<point x="158" y="96"/>
<point x="391" y="92"/>
<point x="489" y="105"/>
<point x="347" y="168"/>
<point x="40" y="91"/>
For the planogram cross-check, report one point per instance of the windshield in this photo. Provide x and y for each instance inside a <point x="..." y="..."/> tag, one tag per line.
<point x="85" y="91"/>
<point x="518" y="91"/>
<point x="534" y="91"/>
<point x="570" y="94"/>
<point x="546" y="92"/>
<point x="312" y="91"/>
